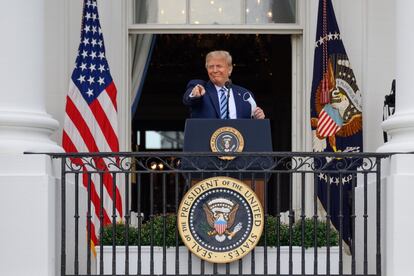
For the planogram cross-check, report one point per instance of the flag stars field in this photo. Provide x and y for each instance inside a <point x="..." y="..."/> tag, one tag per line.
<point x="328" y="37"/>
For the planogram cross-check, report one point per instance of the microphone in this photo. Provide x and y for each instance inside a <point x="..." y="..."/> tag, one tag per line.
<point x="227" y="84"/>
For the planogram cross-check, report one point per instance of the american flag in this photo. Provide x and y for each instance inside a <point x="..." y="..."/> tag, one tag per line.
<point x="91" y="116"/>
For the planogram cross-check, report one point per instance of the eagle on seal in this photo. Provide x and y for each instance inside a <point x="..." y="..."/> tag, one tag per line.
<point x="220" y="221"/>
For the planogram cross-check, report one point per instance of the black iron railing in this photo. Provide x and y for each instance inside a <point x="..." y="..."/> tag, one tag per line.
<point x="153" y="184"/>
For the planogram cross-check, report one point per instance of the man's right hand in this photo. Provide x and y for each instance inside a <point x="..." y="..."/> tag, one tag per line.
<point x="198" y="91"/>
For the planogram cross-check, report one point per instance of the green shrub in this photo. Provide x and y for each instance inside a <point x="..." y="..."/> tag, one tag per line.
<point x="321" y="234"/>
<point x="271" y="233"/>
<point x="157" y="225"/>
<point x="158" y="230"/>
<point x="296" y="231"/>
<point x="119" y="234"/>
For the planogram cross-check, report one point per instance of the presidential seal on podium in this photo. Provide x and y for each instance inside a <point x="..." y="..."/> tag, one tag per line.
<point x="220" y="219"/>
<point x="226" y="140"/>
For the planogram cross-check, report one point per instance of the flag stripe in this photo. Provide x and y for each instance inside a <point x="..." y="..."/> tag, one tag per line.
<point x="110" y="110"/>
<point x="80" y="124"/>
<point x="105" y="125"/>
<point x="95" y="199"/>
<point x="90" y="121"/>
<point x="108" y="182"/>
<point x="111" y="89"/>
<point x="70" y="147"/>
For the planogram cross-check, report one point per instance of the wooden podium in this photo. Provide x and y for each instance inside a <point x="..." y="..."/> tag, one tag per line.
<point x="256" y="137"/>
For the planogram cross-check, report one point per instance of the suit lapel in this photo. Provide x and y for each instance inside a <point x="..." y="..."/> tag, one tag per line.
<point x="212" y="93"/>
<point x="238" y="102"/>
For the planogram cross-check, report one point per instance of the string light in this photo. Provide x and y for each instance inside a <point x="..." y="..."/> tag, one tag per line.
<point x="183" y="11"/>
<point x="258" y="2"/>
<point x="196" y="22"/>
<point x="269" y="14"/>
<point x="247" y="10"/>
<point x="220" y="9"/>
<point x="212" y="2"/>
<point x="154" y="166"/>
<point x="162" y="12"/>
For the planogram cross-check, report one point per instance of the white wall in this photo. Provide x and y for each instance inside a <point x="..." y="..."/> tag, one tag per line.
<point x="368" y="34"/>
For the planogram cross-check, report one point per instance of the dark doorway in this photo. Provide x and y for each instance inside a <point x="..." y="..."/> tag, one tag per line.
<point x="262" y="63"/>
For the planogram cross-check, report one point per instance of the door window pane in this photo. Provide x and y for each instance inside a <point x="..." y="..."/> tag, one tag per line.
<point x="160" y="11"/>
<point x="215" y="11"/>
<point x="164" y="139"/>
<point x="270" y="11"/>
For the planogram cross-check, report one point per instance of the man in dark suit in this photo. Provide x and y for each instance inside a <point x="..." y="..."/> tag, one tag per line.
<point x="218" y="98"/>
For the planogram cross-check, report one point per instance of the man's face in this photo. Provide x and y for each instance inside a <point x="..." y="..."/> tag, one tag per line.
<point x="218" y="70"/>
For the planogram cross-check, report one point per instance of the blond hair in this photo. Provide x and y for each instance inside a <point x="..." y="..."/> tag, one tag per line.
<point x="220" y="54"/>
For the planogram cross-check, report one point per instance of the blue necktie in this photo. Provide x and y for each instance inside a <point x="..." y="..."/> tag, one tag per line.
<point x="223" y="103"/>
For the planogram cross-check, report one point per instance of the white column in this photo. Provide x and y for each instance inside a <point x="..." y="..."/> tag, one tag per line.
<point x="401" y="126"/>
<point x="399" y="189"/>
<point x="28" y="189"/>
<point x="24" y="123"/>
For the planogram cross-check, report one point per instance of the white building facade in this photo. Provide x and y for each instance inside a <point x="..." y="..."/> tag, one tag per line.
<point x="40" y="44"/>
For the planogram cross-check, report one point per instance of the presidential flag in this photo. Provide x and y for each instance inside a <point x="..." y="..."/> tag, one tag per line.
<point x="91" y="120"/>
<point x="336" y="117"/>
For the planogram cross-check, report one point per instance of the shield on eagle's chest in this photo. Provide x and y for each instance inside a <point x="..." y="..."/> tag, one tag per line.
<point x="220" y="225"/>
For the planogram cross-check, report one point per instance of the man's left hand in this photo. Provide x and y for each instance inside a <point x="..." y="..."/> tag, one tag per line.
<point x="258" y="113"/>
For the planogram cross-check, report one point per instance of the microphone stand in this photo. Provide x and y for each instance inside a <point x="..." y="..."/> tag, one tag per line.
<point x="228" y="86"/>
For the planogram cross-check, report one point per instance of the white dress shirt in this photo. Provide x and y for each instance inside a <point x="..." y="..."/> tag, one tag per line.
<point x="232" y="103"/>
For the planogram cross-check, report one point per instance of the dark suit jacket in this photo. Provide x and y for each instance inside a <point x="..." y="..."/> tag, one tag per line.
<point x="208" y="107"/>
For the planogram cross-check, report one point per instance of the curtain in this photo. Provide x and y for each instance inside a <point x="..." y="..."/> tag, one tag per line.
<point x="142" y="46"/>
<point x="284" y="11"/>
<point x="141" y="49"/>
